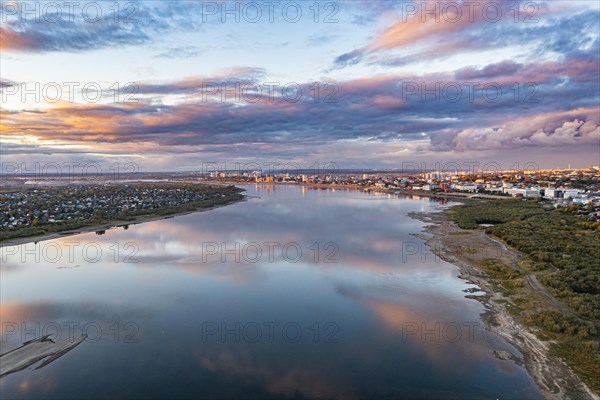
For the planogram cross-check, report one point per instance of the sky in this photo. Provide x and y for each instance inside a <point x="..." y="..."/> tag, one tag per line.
<point x="178" y="85"/>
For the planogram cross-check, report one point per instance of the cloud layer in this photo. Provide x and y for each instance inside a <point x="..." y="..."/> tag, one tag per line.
<point x="545" y="96"/>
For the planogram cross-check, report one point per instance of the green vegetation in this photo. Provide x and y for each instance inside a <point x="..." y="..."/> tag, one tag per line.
<point x="558" y="325"/>
<point x="562" y="250"/>
<point x="583" y="356"/>
<point x="470" y="215"/>
<point x="506" y="279"/>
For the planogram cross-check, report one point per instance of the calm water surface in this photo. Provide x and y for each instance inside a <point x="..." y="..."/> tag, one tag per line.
<point x="293" y="293"/>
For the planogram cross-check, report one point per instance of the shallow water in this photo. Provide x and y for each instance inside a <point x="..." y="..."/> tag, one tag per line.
<point x="296" y="292"/>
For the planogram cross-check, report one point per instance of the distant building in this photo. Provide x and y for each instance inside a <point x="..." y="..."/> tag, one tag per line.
<point x="493" y="188"/>
<point x="556" y="194"/>
<point x="553" y="193"/>
<point x="523" y="192"/>
<point x="570" y="193"/>
<point x="465" y="187"/>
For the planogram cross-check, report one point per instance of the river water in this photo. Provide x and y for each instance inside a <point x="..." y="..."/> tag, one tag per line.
<point x="296" y="292"/>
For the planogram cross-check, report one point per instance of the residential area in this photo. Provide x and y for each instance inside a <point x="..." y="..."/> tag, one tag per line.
<point x="38" y="206"/>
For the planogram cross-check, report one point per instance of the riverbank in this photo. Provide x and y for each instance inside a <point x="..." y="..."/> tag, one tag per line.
<point x="110" y="225"/>
<point x="469" y="250"/>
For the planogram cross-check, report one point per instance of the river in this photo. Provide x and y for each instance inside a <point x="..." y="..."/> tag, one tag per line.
<point x="296" y="292"/>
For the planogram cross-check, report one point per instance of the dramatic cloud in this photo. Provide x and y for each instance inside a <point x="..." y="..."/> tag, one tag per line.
<point x="473" y="108"/>
<point x="69" y="36"/>
<point x="577" y="127"/>
<point x="89" y="25"/>
<point x="436" y="29"/>
<point x="408" y="78"/>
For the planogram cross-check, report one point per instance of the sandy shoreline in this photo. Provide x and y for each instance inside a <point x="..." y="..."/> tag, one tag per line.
<point x="107" y="226"/>
<point x="455" y="245"/>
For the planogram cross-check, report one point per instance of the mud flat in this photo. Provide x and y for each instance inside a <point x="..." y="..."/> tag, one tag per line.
<point x="464" y="248"/>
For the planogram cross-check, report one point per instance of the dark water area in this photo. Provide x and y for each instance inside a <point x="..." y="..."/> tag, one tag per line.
<point x="294" y="293"/>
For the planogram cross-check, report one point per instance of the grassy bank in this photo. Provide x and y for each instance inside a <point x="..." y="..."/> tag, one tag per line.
<point x="561" y="251"/>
